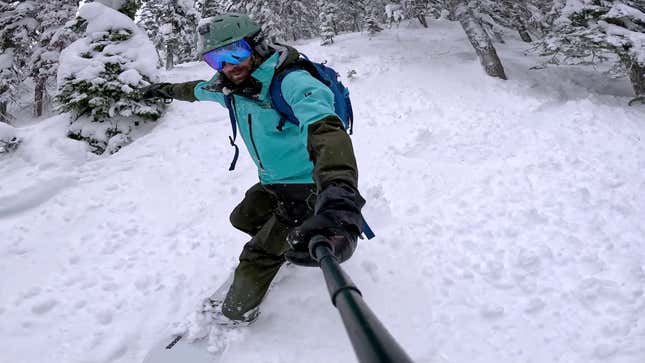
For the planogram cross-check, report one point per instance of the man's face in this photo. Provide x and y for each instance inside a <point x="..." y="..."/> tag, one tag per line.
<point x="238" y="73"/>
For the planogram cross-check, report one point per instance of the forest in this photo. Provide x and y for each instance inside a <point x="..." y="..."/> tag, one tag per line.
<point x="34" y="34"/>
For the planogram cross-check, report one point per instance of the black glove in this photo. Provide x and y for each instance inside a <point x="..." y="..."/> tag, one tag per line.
<point x="157" y="90"/>
<point x="337" y="216"/>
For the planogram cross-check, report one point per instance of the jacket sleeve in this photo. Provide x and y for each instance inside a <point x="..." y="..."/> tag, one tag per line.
<point x="202" y="93"/>
<point x="181" y="91"/>
<point x="331" y="151"/>
<point x="322" y="132"/>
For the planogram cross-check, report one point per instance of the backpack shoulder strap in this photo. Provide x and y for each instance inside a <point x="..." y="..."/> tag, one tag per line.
<point x="229" y="102"/>
<point x="278" y="101"/>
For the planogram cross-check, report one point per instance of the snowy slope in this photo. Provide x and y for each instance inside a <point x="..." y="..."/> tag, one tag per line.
<point x="508" y="214"/>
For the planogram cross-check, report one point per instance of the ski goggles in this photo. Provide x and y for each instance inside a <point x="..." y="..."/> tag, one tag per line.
<point x="233" y="53"/>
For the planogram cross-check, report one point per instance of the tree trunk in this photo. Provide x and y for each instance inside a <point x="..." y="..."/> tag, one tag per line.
<point x="169" y="59"/>
<point x="490" y="30"/>
<point x="521" y="29"/>
<point x="422" y="20"/>
<point x="480" y="41"/>
<point x="637" y="77"/>
<point x="519" y="24"/>
<point x="524" y="34"/>
<point x="357" y="24"/>
<point x="4" y="116"/>
<point x="39" y="92"/>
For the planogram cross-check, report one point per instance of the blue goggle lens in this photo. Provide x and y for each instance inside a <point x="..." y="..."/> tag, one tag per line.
<point x="233" y="53"/>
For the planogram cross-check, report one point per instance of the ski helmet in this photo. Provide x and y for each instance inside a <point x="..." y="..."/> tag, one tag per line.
<point x="224" y="29"/>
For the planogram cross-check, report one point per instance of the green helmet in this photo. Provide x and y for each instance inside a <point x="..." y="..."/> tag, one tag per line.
<point x="225" y="29"/>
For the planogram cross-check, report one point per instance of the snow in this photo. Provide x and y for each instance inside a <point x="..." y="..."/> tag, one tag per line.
<point x="6" y="131"/>
<point x="130" y="77"/>
<point x="114" y="4"/>
<point x="622" y="38"/>
<point x="6" y="58"/>
<point x="508" y="217"/>
<point x="620" y="10"/>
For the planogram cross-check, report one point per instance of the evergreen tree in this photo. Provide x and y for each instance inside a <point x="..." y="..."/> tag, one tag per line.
<point x="185" y="22"/>
<point x="267" y="13"/>
<point x="417" y="9"/>
<point x="209" y="8"/>
<point x="375" y="9"/>
<point x="172" y="27"/>
<point x="328" y="16"/>
<point x="589" y="29"/>
<point x="99" y="75"/>
<point x="127" y="7"/>
<point x="523" y="16"/>
<point x="17" y="30"/>
<point x="150" y="20"/>
<point x="350" y="15"/>
<point x="373" y="12"/>
<point x="372" y="25"/>
<point x="393" y="14"/>
<point x="51" y="16"/>
<point x="302" y="19"/>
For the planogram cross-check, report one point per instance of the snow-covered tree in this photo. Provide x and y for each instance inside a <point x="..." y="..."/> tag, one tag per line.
<point x="376" y="9"/>
<point x="527" y="17"/>
<point x="416" y="9"/>
<point x="372" y="25"/>
<point x="51" y="16"/>
<point x="99" y="77"/>
<point x="185" y="36"/>
<point x="302" y="19"/>
<point x="393" y="14"/>
<point x="172" y="27"/>
<point x="209" y="8"/>
<point x="328" y="17"/>
<point x="589" y="29"/>
<point x="269" y="14"/>
<point x="149" y="19"/>
<point x="17" y="30"/>
<point x="350" y="16"/>
<point x="127" y="7"/>
<point x="494" y="14"/>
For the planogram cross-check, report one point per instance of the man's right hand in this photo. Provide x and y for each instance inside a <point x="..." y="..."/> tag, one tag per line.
<point x="157" y="91"/>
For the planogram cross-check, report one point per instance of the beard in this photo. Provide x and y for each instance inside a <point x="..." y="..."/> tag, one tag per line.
<point x="240" y="72"/>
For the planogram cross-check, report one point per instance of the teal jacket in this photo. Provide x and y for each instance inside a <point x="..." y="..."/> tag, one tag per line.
<point x="282" y="157"/>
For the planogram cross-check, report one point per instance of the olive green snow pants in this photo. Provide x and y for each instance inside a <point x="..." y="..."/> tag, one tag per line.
<point x="267" y="213"/>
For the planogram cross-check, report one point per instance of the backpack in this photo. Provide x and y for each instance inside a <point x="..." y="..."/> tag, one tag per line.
<point x="328" y="76"/>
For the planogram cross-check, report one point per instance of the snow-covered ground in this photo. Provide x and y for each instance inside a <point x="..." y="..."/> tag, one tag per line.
<point x="509" y="217"/>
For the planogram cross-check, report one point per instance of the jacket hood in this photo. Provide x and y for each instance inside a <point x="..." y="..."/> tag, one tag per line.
<point x="287" y="54"/>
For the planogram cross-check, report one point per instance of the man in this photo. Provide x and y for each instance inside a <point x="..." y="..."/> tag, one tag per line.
<point x="308" y="173"/>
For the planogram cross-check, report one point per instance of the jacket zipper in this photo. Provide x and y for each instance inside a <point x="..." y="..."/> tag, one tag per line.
<point x="255" y="148"/>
